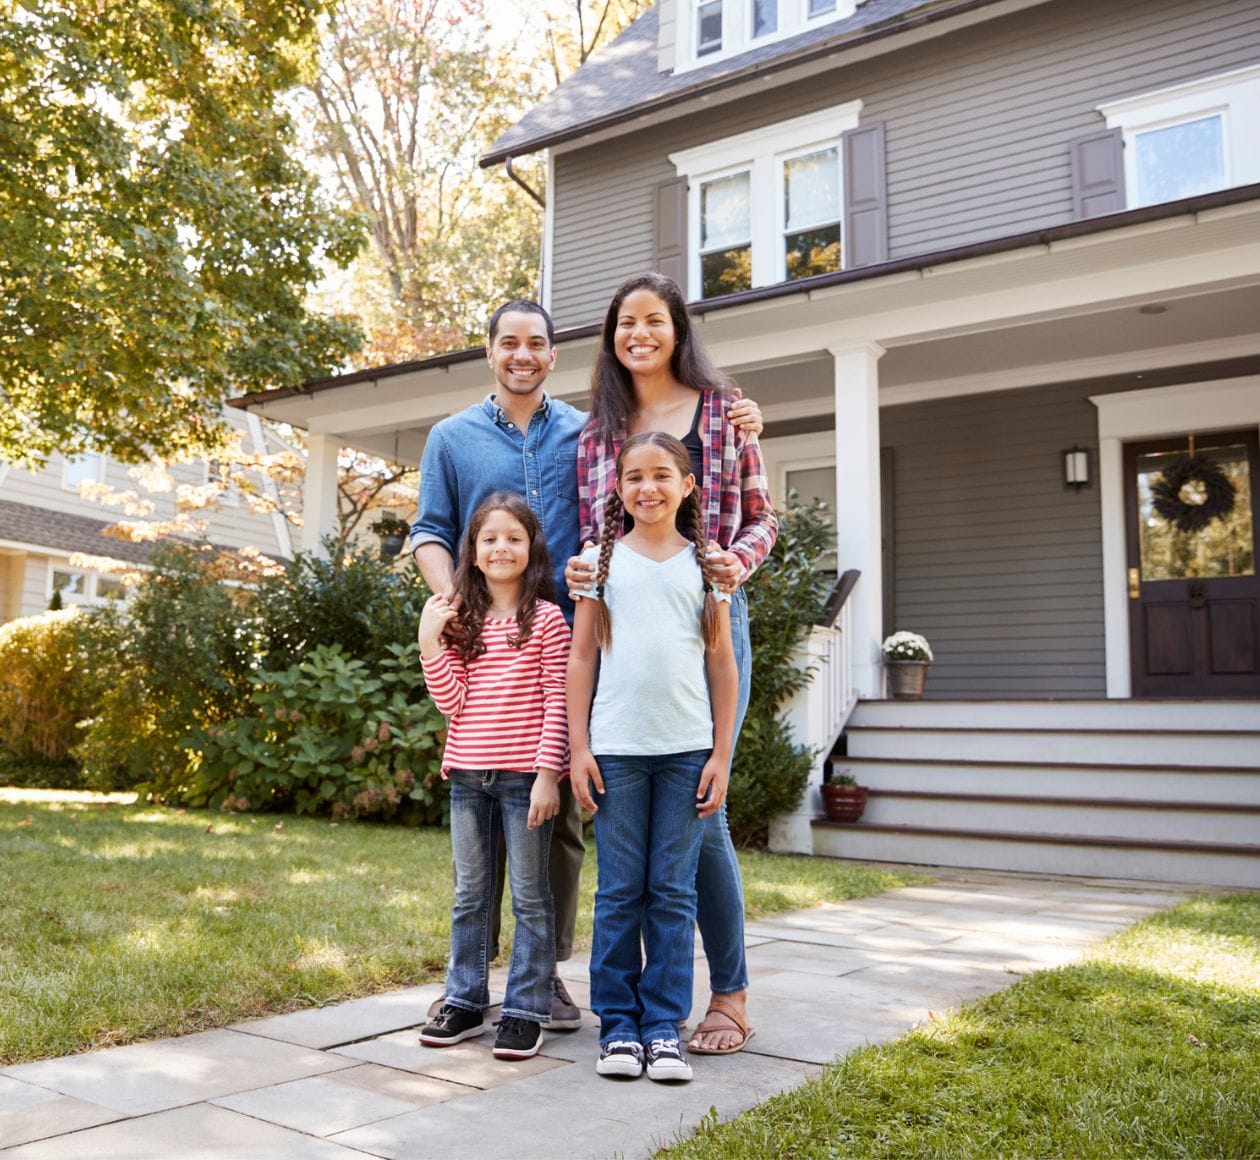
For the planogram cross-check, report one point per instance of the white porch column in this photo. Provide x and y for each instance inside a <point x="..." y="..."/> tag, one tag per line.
<point x="857" y="504"/>
<point x="319" y="493"/>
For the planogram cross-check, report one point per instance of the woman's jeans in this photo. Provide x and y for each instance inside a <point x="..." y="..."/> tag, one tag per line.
<point x="487" y="804"/>
<point x="718" y="885"/>
<point x="648" y="837"/>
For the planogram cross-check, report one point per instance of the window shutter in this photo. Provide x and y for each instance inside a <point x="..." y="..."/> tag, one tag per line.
<point x="669" y="251"/>
<point x="865" y="196"/>
<point x="1098" y="174"/>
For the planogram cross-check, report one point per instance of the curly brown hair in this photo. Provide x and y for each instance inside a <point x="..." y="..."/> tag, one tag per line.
<point x="470" y="583"/>
<point x="690" y="522"/>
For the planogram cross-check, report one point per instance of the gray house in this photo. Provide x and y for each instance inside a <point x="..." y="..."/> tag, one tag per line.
<point x="992" y="269"/>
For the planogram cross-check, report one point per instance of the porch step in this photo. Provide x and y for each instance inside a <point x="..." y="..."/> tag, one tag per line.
<point x="1110" y="788"/>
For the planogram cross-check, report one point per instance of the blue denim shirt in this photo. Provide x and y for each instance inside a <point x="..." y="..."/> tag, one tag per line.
<point x="480" y="451"/>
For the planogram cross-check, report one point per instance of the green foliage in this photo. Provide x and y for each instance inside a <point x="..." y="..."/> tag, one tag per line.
<point x="330" y="735"/>
<point x="42" y="698"/>
<point x="157" y="239"/>
<point x="177" y="658"/>
<point x="785" y="597"/>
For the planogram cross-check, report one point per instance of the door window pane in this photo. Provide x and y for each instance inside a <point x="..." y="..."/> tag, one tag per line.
<point x="1226" y="547"/>
<point x="726" y="235"/>
<point x="811" y="211"/>
<point x="817" y="483"/>
<point x="765" y="17"/>
<point x="1180" y="161"/>
<point x="708" y="27"/>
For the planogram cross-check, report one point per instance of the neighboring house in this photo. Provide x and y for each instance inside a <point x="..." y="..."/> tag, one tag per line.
<point x="989" y="266"/>
<point x="48" y="530"/>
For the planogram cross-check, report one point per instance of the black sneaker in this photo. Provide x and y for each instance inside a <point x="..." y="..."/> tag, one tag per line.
<point x="517" y="1038"/>
<point x="565" y="1015"/>
<point x="621" y="1057"/>
<point x="451" y="1025"/>
<point x="665" y="1062"/>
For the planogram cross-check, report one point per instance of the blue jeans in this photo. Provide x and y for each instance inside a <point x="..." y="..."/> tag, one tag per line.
<point x="487" y="804"/>
<point x="648" y="838"/>
<point x="718" y="884"/>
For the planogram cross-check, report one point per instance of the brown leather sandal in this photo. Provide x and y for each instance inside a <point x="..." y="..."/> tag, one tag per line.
<point x="721" y="1007"/>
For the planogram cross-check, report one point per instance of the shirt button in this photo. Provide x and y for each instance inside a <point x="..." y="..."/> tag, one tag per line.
<point x="529" y="455"/>
<point x="511" y="424"/>
<point x="534" y="491"/>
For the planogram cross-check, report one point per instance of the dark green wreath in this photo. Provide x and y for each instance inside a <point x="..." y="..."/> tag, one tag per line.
<point x="1193" y="517"/>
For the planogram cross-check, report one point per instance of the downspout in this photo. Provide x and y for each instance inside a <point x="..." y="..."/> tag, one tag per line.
<point x="507" y="165"/>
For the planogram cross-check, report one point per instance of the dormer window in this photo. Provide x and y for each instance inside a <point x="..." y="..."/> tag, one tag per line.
<point x="723" y="28"/>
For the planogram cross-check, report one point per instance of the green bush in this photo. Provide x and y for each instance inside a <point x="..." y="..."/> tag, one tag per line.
<point x="785" y="597"/>
<point x="176" y="659"/>
<point x="330" y="736"/>
<point x="43" y="696"/>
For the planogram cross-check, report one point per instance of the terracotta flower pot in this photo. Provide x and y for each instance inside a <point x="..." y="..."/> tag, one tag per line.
<point x="843" y="803"/>
<point x="906" y="678"/>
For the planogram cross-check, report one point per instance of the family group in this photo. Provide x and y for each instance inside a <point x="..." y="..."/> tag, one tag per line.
<point x="587" y="640"/>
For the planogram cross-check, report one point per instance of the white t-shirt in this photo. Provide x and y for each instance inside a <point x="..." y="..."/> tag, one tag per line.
<point x="653" y="692"/>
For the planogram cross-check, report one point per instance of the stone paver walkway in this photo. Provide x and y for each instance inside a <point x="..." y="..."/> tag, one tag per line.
<point x="352" y="1080"/>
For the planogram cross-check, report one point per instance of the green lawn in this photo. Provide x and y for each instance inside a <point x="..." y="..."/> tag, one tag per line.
<point x="123" y="922"/>
<point x="1148" y="1048"/>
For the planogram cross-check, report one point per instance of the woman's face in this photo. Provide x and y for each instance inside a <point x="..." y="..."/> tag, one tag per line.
<point x="644" y="339"/>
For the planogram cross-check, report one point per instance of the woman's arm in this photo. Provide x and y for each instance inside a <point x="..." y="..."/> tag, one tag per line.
<point x="553" y="741"/>
<point x="723" y="696"/>
<point x="758" y="525"/>
<point x="579" y="691"/>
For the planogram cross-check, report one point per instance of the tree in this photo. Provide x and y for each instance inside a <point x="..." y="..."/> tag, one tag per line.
<point x="577" y="28"/>
<point x="157" y="238"/>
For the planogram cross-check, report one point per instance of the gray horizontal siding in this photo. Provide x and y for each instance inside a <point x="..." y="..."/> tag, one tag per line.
<point x="996" y="563"/>
<point x="977" y="125"/>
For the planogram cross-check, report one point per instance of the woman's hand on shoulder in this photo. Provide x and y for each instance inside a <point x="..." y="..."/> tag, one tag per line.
<point x="745" y="415"/>
<point x="584" y="774"/>
<point x="578" y="574"/>
<point x="437" y="613"/>
<point x="711" y="793"/>
<point x="544" y="798"/>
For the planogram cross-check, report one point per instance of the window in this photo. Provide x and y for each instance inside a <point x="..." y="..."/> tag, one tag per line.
<point x="1190" y="139"/>
<point x="83" y="586"/>
<point x="708" y="27"/>
<point x="767" y="206"/>
<point x="69" y="583"/>
<point x="82" y="469"/>
<point x="723" y="28"/>
<point x="815" y="479"/>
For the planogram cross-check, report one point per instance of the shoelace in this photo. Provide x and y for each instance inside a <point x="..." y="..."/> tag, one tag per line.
<point x="512" y="1025"/>
<point x="623" y="1045"/>
<point x="667" y="1047"/>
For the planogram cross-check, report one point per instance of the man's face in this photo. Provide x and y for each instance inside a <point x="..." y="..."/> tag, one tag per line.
<point x="521" y="356"/>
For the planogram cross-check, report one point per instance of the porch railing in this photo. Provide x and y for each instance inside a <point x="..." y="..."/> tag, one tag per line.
<point x="819" y="712"/>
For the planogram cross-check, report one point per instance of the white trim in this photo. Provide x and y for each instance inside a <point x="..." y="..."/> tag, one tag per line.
<point x="549" y="231"/>
<point x="1133" y="415"/>
<point x="1234" y="96"/>
<point x="279" y="525"/>
<point x="760" y="152"/>
<point x="4" y="471"/>
<point x="737" y="17"/>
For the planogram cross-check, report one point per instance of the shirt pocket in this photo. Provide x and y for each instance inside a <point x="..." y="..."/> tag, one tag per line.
<point x="564" y="482"/>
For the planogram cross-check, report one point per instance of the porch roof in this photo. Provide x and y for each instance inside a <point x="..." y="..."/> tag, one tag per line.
<point x="36" y="528"/>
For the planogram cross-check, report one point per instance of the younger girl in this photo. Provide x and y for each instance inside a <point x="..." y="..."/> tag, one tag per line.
<point x="494" y="659"/>
<point x="655" y="746"/>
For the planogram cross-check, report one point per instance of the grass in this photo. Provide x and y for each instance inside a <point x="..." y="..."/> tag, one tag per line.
<point x="1150" y="1047"/>
<point x="124" y="922"/>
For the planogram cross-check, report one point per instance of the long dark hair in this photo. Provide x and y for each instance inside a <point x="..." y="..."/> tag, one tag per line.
<point x="612" y="389"/>
<point x="690" y="522"/>
<point x="470" y="583"/>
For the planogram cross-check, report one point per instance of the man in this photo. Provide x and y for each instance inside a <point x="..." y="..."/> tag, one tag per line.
<point x="518" y="439"/>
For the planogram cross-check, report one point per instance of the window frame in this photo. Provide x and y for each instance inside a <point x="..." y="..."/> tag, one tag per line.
<point x="763" y="152"/>
<point x="90" y="595"/>
<point x="781" y="161"/>
<point x="1234" y="96"/>
<point x="69" y="461"/>
<point x="793" y="16"/>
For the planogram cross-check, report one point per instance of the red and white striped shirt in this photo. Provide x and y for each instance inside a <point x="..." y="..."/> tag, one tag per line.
<point x="505" y="709"/>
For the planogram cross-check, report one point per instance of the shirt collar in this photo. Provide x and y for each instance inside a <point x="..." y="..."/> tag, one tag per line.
<point x="498" y="415"/>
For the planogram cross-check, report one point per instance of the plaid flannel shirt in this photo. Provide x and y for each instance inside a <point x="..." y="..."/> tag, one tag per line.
<point x="736" y="494"/>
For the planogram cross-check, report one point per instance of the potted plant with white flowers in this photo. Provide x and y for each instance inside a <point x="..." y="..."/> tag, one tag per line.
<point x="907" y="656"/>
<point x="393" y="532"/>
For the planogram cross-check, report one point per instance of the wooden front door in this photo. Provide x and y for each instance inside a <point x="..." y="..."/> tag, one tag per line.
<point x="1194" y="596"/>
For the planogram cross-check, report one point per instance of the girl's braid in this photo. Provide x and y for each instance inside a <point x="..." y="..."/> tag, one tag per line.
<point x="708" y="612"/>
<point x="613" y="515"/>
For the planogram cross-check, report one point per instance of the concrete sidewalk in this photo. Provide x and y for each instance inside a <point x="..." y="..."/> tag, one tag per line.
<point x="352" y="1080"/>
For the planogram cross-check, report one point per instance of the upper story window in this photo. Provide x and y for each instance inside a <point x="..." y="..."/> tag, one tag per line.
<point x="722" y="28"/>
<point x="89" y="468"/>
<point x="766" y="206"/>
<point x="1190" y="139"/>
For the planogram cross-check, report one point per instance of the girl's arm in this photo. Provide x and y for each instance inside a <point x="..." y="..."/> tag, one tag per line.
<point x="445" y="675"/>
<point x="580" y="689"/>
<point x="723" y="695"/>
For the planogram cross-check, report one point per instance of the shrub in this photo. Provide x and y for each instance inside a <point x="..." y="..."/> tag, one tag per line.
<point x="330" y="736"/>
<point x="785" y="597"/>
<point x="42" y="698"/>
<point x="175" y="659"/>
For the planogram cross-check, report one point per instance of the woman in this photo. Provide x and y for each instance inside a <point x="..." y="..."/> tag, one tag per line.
<point x="651" y="374"/>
